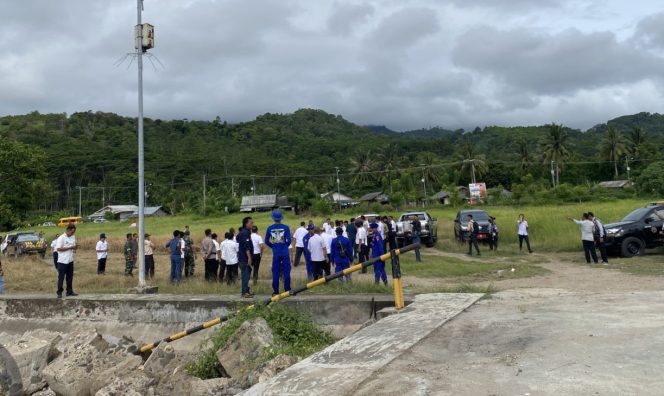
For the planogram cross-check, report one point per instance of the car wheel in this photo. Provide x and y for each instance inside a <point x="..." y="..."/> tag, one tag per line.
<point x="430" y="242"/>
<point x="632" y="246"/>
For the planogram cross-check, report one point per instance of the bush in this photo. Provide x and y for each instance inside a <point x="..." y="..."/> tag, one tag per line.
<point x="651" y="180"/>
<point x="295" y="334"/>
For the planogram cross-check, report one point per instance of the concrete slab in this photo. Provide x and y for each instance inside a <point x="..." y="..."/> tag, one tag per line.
<point x="537" y="342"/>
<point x="338" y="369"/>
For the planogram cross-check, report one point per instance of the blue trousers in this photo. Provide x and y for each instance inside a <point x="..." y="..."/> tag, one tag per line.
<point x="2" y="284"/>
<point x="417" y="239"/>
<point x="310" y="267"/>
<point x="340" y="266"/>
<point x="281" y="266"/>
<point x="245" y="275"/>
<point x="379" y="272"/>
<point x="176" y="269"/>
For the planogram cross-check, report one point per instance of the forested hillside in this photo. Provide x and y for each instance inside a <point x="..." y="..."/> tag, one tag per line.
<point x="97" y="151"/>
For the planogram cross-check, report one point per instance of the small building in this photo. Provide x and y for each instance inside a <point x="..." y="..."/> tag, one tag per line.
<point x="375" y="197"/>
<point x="125" y="212"/>
<point x="258" y="203"/>
<point x="617" y="184"/>
<point x="442" y="197"/>
<point x="463" y="192"/>
<point x="340" y="199"/>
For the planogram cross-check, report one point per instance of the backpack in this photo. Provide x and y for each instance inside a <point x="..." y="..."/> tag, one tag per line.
<point x="342" y="251"/>
<point x="596" y="230"/>
<point x="476" y="228"/>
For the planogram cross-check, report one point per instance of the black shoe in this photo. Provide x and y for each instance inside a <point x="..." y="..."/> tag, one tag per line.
<point x="58" y="296"/>
<point x="72" y="294"/>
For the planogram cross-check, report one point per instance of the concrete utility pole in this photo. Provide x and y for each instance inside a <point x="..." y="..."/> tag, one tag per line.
<point x="204" y="193"/>
<point x="338" y="188"/>
<point x="424" y="183"/>
<point x="141" y="158"/>
<point x="253" y="185"/>
<point x="80" y="196"/>
<point x="627" y="167"/>
<point x="553" y="175"/>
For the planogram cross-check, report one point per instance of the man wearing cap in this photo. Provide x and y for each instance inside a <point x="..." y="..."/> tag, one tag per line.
<point x="278" y="238"/>
<point x="377" y="250"/>
<point x="342" y="254"/>
<point x="307" y="253"/>
<point x="102" y="254"/>
<point x="148" y="251"/>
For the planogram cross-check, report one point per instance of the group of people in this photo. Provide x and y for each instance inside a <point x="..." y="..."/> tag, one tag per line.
<point x="593" y="237"/>
<point x="492" y="239"/>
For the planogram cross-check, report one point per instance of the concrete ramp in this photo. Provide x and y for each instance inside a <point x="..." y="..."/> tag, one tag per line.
<point x="340" y="368"/>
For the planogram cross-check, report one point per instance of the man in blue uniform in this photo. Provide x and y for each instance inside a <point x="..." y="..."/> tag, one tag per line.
<point x="245" y="255"/>
<point x="278" y="238"/>
<point x="341" y="253"/>
<point x="307" y="253"/>
<point x="377" y="250"/>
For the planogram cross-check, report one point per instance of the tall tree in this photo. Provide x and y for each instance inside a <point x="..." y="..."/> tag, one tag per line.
<point x="473" y="163"/>
<point x="525" y="155"/>
<point x="362" y="164"/>
<point x="556" y="148"/>
<point x="637" y="138"/>
<point x="612" y="147"/>
<point x="390" y="160"/>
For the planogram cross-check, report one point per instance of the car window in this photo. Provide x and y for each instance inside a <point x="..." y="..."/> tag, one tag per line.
<point x="479" y="215"/>
<point x="27" y="238"/>
<point x="654" y="215"/>
<point x="636" y="215"/>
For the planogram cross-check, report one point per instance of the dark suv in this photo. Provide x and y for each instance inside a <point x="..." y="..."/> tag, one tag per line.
<point x="639" y="230"/>
<point x="461" y="226"/>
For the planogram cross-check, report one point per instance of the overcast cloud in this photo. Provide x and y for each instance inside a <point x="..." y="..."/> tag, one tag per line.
<point x="406" y="64"/>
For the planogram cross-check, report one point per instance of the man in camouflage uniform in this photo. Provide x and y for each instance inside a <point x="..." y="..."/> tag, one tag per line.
<point x="130" y="255"/>
<point x="189" y="256"/>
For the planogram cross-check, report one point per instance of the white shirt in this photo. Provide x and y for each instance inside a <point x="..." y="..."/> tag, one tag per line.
<point x="317" y="248"/>
<point x="65" y="241"/>
<point x="523" y="227"/>
<point x="257" y="241"/>
<point x="300" y="233"/>
<point x="53" y="248"/>
<point x="102" y="245"/>
<point x="183" y="246"/>
<point x="393" y="224"/>
<point x="229" y="251"/>
<point x="147" y="248"/>
<point x="345" y="234"/>
<point x="587" y="227"/>
<point x="327" y="239"/>
<point x="217" y="248"/>
<point x="600" y="228"/>
<point x="381" y="229"/>
<point x="361" y="237"/>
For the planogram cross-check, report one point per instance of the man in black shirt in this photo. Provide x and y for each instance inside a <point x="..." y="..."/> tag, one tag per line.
<point x="245" y="254"/>
<point x="473" y="230"/>
<point x="417" y="232"/>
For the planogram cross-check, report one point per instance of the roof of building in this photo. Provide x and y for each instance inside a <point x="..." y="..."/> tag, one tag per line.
<point x="616" y="184"/>
<point x="441" y="195"/>
<point x="258" y="201"/>
<point x="336" y="197"/>
<point x="374" y="196"/>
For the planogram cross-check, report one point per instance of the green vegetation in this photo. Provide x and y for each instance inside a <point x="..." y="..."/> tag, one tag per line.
<point x="295" y="333"/>
<point x="296" y="155"/>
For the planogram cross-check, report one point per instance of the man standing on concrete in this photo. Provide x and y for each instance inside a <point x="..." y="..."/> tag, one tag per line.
<point x="102" y="254"/>
<point x="66" y="247"/>
<point x="189" y="255"/>
<point x="278" y="238"/>
<point x="318" y="253"/>
<point x="299" y="235"/>
<point x="130" y="255"/>
<point x="175" y="249"/>
<point x="258" y="246"/>
<point x="209" y="257"/>
<point x="149" y="257"/>
<point x="342" y="254"/>
<point x="245" y="255"/>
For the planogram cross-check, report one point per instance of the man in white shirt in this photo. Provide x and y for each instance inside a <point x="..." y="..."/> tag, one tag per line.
<point x="257" y="242"/>
<point x="327" y="240"/>
<point x="229" y="252"/>
<point x="298" y="237"/>
<point x="318" y="253"/>
<point x="587" y="237"/>
<point x="148" y="253"/>
<point x="54" y="250"/>
<point x="66" y="247"/>
<point x="102" y="254"/>
<point x="362" y="244"/>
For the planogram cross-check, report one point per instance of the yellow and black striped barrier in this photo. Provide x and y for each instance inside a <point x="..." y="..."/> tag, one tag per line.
<point x="398" y="292"/>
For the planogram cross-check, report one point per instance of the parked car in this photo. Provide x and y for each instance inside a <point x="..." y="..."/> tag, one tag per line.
<point x="639" y="230"/>
<point x="429" y="234"/>
<point x="20" y="243"/>
<point x="48" y="224"/>
<point x="100" y="220"/>
<point x="461" y="224"/>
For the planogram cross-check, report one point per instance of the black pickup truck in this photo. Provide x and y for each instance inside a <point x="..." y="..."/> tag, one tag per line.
<point x="639" y="230"/>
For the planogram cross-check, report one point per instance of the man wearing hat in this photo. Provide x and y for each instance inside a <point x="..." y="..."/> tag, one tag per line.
<point x="341" y="253"/>
<point x="278" y="238"/>
<point x="377" y="250"/>
<point x="307" y="252"/>
<point x="102" y="254"/>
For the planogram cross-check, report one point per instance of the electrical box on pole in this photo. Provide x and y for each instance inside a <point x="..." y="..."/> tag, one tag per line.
<point x="144" y="36"/>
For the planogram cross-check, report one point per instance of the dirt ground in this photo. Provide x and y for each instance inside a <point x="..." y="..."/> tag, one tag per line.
<point x="578" y="330"/>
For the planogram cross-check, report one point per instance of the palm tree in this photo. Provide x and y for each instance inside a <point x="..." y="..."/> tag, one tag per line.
<point x="472" y="162"/>
<point x="525" y="156"/>
<point x="361" y="167"/>
<point x="555" y="148"/>
<point x="637" y="138"/>
<point x="613" y="147"/>
<point x="390" y="159"/>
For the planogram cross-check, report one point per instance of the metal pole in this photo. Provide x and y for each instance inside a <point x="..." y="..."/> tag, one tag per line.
<point x="141" y="165"/>
<point x="627" y="167"/>
<point x="253" y="185"/>
<point x="103" y="197"/>
<point x="80" y="189"/>
<point x="553" y="175"/>
<point x="338" y="188"/>
<point x="424" y="183"/>
<point x="204" y="193"/>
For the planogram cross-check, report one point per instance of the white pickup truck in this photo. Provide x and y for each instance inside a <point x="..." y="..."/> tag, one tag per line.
<point x="429" y="234"/>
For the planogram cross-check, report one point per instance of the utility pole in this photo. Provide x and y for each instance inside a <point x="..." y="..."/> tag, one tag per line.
<point x="627" y="167"/>
<point x="253" y="185"/>
<point x="424" y="183"/>
<point x="103" y="197"/>
<point x="80" y="196"/>
<point x="233" y="187"/>
<point x="553" y="175"/>
<point x="472" y="170"/>
<point x="204" y="193"/>
<point x="338" y="188"/>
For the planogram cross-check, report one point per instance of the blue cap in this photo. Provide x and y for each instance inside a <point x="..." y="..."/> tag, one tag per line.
<point x="311" y="227"/>
<point x="277" y="215"/>
<point x="373" y="225"/>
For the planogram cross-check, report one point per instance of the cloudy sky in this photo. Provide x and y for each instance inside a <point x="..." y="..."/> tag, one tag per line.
<point x="406" y="64"/>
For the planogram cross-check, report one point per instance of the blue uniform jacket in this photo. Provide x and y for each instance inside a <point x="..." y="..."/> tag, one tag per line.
<point x="336" y="250"/>
<point x="244" y="240"/>
<point x="278" y="238"/>
<point x="305" y="240"/>
<point x="377" y="246"/>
